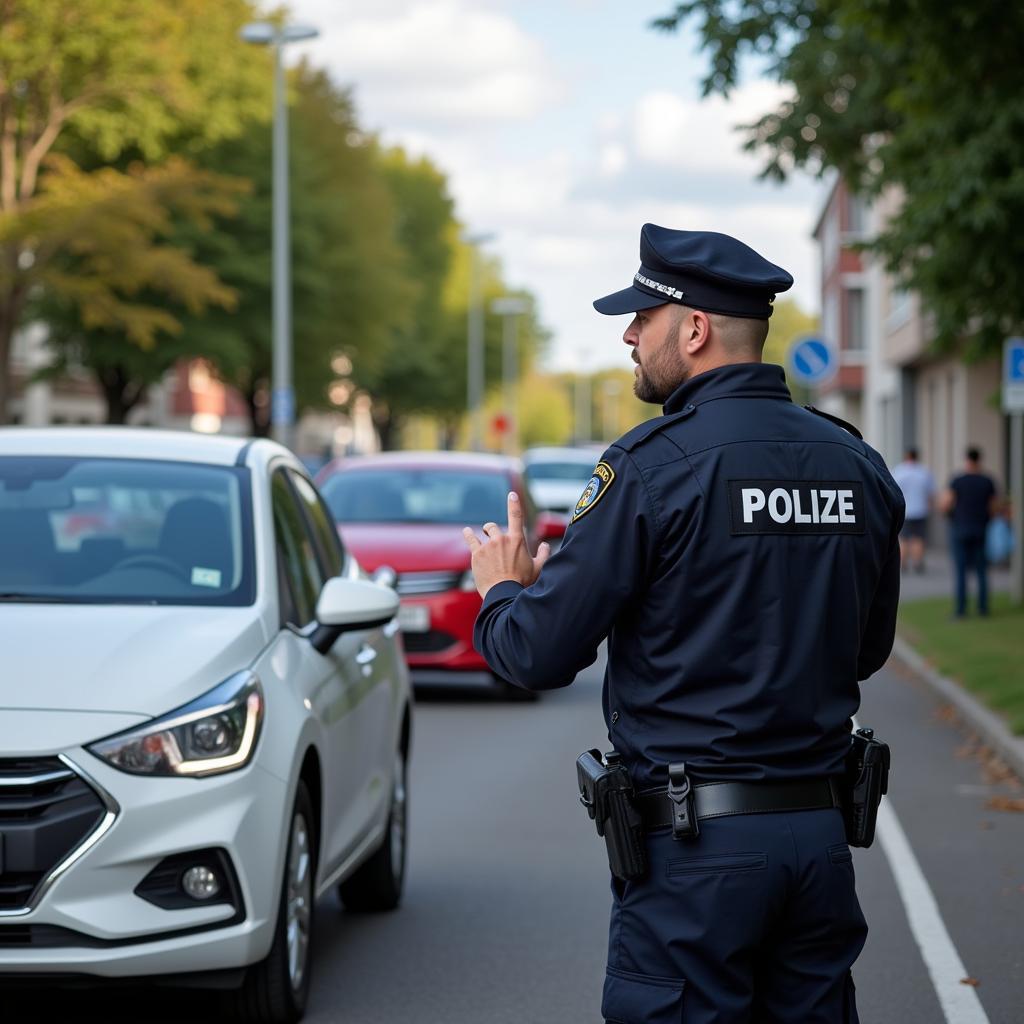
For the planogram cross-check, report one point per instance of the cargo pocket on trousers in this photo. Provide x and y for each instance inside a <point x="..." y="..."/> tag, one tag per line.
<point x="631" y="998"/>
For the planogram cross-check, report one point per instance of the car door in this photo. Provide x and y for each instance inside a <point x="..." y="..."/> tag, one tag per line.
<point x="324" y="682"/>
<point x="368" y="660"/>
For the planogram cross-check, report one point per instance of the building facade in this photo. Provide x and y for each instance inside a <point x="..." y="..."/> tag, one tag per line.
<point x="891" y="380"/>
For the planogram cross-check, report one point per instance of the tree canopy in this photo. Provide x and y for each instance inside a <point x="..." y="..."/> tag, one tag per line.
<point x="924" y="97"/>
<point x="113" y="79"/>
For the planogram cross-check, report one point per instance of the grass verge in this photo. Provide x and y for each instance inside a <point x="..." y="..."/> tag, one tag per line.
<point x="985" y="655"/>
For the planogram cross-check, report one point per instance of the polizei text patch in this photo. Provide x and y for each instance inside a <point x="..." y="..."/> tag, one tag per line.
<point x="796" y="506"/>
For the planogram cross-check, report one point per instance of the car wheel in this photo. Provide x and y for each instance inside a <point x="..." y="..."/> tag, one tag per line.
<point x="515" y="694"/>
<point x="377" y="883"/>
<point x="276" y="989"/>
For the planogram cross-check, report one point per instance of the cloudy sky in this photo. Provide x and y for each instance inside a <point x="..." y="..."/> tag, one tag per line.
<point x="563" y="125"/>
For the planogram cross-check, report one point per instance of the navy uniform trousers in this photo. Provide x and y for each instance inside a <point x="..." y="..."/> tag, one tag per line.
<point x="754" y="922"/>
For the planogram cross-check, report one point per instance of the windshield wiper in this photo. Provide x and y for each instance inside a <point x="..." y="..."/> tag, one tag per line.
<point x="15" y="597"/>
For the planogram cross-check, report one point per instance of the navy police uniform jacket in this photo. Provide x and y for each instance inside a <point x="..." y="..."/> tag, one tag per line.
<point x="741" y="556"/>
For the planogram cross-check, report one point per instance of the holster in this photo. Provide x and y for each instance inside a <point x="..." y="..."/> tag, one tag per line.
<point x="865" y="782"/>
<point x="606" y="791"/>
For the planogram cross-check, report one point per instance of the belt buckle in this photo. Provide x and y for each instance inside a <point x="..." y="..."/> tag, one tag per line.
<point x="681" y="797"/>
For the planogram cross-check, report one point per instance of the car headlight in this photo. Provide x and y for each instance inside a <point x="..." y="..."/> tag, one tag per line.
<point x="214" y="733"/>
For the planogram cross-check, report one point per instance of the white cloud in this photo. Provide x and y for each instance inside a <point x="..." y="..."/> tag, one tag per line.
<point x="565" y="178"/>
<point x="446" y="62"/>
<point x="699" y="135"/>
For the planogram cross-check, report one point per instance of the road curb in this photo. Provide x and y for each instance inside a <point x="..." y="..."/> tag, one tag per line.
<point x="992" y="729"/>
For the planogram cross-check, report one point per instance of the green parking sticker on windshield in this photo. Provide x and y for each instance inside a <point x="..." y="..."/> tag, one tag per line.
<point x="205" y="577"/>
<point x="596" y="488"/>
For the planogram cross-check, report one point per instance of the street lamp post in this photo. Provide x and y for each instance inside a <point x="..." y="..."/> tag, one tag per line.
<point x="510" y="308"/>
<point x="583" y="400"/>
<point x="475" y="341"/>
<point x="609" y="418"/>
<point x="282" y="391"/>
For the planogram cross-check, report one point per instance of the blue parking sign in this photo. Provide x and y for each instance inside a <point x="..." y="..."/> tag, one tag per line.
<point x="812" y="361"/>
<point x="1013" y="375"/>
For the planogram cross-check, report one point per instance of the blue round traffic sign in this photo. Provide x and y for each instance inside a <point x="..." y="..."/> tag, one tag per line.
<point x="812" y="361"/>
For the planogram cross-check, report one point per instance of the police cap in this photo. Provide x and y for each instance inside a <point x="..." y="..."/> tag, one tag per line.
<point x="700" y="269"/>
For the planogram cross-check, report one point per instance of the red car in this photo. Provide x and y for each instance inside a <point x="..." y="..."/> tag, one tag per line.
<point x="405" y="511"/>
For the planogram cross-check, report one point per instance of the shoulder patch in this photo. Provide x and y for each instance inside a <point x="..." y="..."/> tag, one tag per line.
<point x="635" y="437"/>
<point x="595" y="490"/>
<point x="848" y="427"/>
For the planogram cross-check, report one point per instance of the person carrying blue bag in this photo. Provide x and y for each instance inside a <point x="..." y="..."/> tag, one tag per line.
<point x="970" y="502"/>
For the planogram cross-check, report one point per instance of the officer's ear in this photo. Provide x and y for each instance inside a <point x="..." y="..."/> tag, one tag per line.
<point x="695" y="331"/>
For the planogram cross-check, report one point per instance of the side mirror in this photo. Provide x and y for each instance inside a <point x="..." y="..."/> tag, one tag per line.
<point x="347" y="605"/>
<point x="550" y="526"/>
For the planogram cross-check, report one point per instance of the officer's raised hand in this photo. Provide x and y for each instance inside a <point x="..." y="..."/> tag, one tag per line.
<point x="505" y="556"/>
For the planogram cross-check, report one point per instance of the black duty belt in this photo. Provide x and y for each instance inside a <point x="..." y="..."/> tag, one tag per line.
<point x="721" y="799"/>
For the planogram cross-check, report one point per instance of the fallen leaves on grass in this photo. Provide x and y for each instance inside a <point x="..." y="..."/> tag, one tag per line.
<point x="1005" y="803"/>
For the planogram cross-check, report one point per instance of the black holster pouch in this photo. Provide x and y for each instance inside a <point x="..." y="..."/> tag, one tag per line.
<point x="865" y="782"/>
<point x="606" y="790"/>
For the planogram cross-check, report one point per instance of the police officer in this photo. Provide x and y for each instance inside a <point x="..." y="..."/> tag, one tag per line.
<point x="740" y="554"/>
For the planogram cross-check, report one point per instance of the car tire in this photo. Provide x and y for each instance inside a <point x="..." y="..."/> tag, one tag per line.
<point x="377" y="883"/>
<point x="515" y="694"/>
<point x="276" y="989"/>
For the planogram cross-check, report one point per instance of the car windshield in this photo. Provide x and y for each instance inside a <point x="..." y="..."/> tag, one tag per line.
<point x="428" y="495"/>
<point x="115" y="531"/>
<point x="573" y="472"/>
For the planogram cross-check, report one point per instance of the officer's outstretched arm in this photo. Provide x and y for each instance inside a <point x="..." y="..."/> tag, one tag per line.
<point x="541" y="636"/>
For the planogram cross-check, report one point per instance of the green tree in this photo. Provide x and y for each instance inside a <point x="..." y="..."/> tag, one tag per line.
<point x="408" y="374"/>
<point x="545" y="411"/>
<point x="451" y="392"/>
<point x="351" y="283"/>
<point x="924" y="97"/>
<point x="788" y="322"/>
<point x="116" y="76"/>
<point x="110" y="287"/>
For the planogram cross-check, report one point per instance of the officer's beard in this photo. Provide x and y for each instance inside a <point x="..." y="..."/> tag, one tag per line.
<point x="662" y="371"/>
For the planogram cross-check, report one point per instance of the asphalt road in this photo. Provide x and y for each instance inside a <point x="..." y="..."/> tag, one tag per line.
<point x="507" y="899"/>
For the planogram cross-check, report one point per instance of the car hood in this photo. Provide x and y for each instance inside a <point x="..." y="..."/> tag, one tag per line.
<point x="131" y="659"/>
<point x="407" y="547"/>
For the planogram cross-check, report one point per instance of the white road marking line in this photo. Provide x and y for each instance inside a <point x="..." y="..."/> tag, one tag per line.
<point x="960" y="1003"/>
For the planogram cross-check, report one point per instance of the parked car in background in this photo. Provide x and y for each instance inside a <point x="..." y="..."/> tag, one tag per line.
<point x="556" y="476"/>
<point x="204" y="714"/>
<point x="405" y="512"/>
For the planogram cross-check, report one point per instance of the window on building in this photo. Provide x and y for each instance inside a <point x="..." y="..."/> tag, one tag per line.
<point x="899" y="308"/>
<point x="854" y="329"/>
<point x="856" y="215"/>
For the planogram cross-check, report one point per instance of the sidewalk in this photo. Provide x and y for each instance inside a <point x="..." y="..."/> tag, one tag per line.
<point x="937" y="581"/>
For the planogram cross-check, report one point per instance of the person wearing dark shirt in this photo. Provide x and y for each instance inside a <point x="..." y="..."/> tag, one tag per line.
<point x="968" y="503"/>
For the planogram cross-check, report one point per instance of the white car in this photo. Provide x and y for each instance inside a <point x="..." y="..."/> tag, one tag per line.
<point x="204" y="714"/>
<point x="557" y="476"/>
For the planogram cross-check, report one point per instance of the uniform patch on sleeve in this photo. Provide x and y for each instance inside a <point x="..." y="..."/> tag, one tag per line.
<point x="595" y="490"/>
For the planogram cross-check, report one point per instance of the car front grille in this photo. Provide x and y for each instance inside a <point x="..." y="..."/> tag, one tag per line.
<point x="431" y="642"/>
<point x="46" y="811"/>
<point x="410" y="583"/>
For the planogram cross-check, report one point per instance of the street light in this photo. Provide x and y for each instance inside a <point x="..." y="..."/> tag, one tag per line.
<point x="609" y="412"/>
<point x="583" y="399"/>
<point x="509" y="308"/>
<point x="475" y="341"/>
<point x="282" y="393"/>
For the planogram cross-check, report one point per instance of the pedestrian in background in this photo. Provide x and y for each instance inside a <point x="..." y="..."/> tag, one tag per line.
<point x="918" y="486"/>
<point x="970" y="502"/>
<point x="740" y="555"/>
